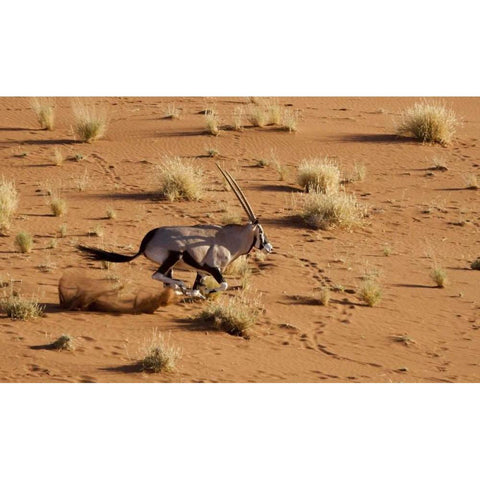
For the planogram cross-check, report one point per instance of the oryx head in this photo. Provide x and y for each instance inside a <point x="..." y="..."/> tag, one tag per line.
<point x="261" y="241"/>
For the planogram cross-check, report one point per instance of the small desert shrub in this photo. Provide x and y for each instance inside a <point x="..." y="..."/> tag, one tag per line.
<point x="47" y="266"/>
<point x="8" y="203"/>
<point x="111" y="213"/>
<point x="171" y="111"/>
<point x="238" y="119"/>
<point x="82" y="181"/>
<point x="387" y="250"/>
<point x="58" y="206"/>
<point x="180" y="180"/>
<point x="275" y="113"/>
<point x="440" y="163"/>
<point x="429" y="122"/>
<point x="370" y="292"/>
<point x="324" y="296"/>
<point x="238" y="268"/>
<point x="213" y="123"/>
<point x="159" y="355"/>
<point x="52" y="244"/>
<point x="471" y="182"/>
<point x="257" y="116"/>
<point x="235" y="315"/>
<point x="322" y="211"/>
<point x="280" y="169"/>
<point x="359" y="173"/>
<point x="62" y="230"/>
<point x="65" y="342"/>
<point x="212" y="152"/>
<point x="96" y="231"/>
<point x="263" y="162"/>
<point x="475" y="264"/>
<point x="24" y="242"/>
<point x="18" y="308"/>
<point x="45" y="112"/>
<point x="90" y="123"/>
<point x="58" y="157"/>
<point x="439" y="276"/>
<point x="231" y="218"/>
<point x="320" y="175"/>
<point x="290" y="121"/>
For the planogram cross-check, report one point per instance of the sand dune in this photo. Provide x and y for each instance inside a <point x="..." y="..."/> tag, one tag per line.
<point x="418" y="217"/>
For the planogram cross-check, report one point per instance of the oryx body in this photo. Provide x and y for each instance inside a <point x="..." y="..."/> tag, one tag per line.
<point x="208" y="249"/>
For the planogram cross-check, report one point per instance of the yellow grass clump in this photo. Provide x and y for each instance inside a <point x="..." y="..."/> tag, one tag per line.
<point x="159" y="355"/>
<point x="24" y="242"/>
<point x="58" y="206"/>
<point x="238" y="118"/>
<point x="234" y="315"/>
<point x="90" y="123"/>
<point x="319" y="175"/>
<point x="180" y="180"/>
<point x="171" y="112"/>
<point x="8" y="203"/>
<point x="325" y="212"/>
<point x="64" y="342"/>
<point x="429" y="122"/>
<point x="439" y="276"/>
<point x="18" y="308"/>
<point x="45" y="111"/>
<point x="258" y="116"/>
<point x="213" y="123"/>
<point x="370" y="292"/>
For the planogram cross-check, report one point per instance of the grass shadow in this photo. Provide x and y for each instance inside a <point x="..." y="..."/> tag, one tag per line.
<point x="413" y="285"/>
<point x="277" y="188"/>
<point x="377" y="138"/>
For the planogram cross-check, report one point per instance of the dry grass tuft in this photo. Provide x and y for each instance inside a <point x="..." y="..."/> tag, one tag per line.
<point x="325" y="212"/>
<point x="439" y="276"/>
<point x="45" y="111"/>
<point x="111" y="213"/>
<point x="90" y="123"/>
<point x="324" y="296"/>
<point x="62" y="230"/>
<point x="58" y="206"/>
<point x="472" y="182"/>
<point x="65" y="342"/>
<point x="159" y="355"/>
<point x="238" y="118"/>
<point x="429" y="122"/>
<point x="370" y="292"/>
<point x="18" y="308"/>
<point x="319" y="175"/>
<point x="172" y="112"/>
<point x="239" y="267"/>
<point x="213" y="123"/>
<point x="58" y="157"/>
<point x="24" y="242"/>
<point x="235" y="315"/>
<point x="290" y="121"/>
<point x="257" y="116"/>
<point x="212" y="152"/>
<point x="8" y="203"/>
<point x="180" y="180"/>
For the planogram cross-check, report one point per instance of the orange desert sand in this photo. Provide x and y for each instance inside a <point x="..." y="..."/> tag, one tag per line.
<point x="418" y="217"/>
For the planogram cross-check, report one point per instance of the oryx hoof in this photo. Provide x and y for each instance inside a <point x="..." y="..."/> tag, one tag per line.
<point x="195" y="294"/>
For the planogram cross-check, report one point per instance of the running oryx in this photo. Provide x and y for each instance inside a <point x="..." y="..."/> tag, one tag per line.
<point x="208" y="249"/>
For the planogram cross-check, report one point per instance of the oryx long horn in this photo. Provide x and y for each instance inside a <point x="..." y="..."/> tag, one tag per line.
<point x="239" y="194"/>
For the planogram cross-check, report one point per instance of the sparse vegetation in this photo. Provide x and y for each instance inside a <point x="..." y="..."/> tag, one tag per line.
<point x="290" y="121"/>
<point x="238" y="118"/>
<point x="90" y="123"/>
<point x="404" y="339"/>
<point x="235" y="315"/>
<point x="64" y="342"/>
<point x="324" y="296"/>
<point x="45" y="111"/>
<point x="62" y="230"/>
<point x="18" y="308"/>
<point x="159" y="355"/>
<point x="440" y="163"/>
<point x="319" y="175"/>
<point x="96" y="231"/>
<point x="257" y="116"/>
<point x="359" y="173"/>
<point x="387" y="250"/>
<point x="58" y="157"/>
<point x="322" y="211"/>
<point x="275" y="113"/>
<point x="111" y="213"/>
<point x="370" y="291"/>
<point x="24" y="242"/>
<point x="8" y="204"/>
<point x="475" y="265"/>
<point x="171" y="112"/>
<point x="239" y="267"/>
<point x="280" y="169"/>
<point x="429" y="122"/>
<point x="47" y="265"/>
<point x="58" y="206"/>
<point x="212" y="152"/>
<point x="439" y="276"/>
<point x="233" y="217"/>
<point x="180" y="180"/>
<point x="213" y="123"/>
<point x="82" y="181"/>
<point x="472" y="182"/>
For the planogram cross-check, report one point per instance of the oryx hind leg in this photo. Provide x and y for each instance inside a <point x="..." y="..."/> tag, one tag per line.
<point x="164" y="272"/>
<point x="213" y="271"/>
